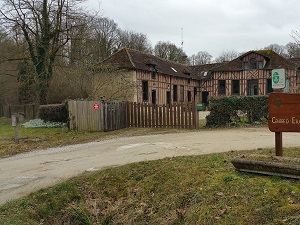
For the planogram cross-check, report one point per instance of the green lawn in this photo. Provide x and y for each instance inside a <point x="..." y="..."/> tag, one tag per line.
<point x="181" y="190"/>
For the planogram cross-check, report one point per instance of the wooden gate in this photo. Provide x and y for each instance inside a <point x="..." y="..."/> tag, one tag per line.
<point x="115" y="115"/>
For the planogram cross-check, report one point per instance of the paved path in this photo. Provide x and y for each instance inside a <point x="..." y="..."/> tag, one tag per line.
<point x="24" y="173"/>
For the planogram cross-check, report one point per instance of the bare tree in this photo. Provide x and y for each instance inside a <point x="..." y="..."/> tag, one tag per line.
<point x="279" y="49"/>
<point x="200" y="58"/>
<point x="168" y="50"/>
<point x="137" y="41"/>
<point x="293" y="50"/>
<point x="10" y="54"/>
<point x="45" y="25"/>
<point x="296" y="36"/>
<point x="226" y="56"/>
<point x="95" y="41"/>
<point x="86" y="80"/>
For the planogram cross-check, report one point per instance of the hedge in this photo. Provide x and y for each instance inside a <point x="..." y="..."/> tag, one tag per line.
<point x="234" y="110"/>
<point x="54" y="113"/>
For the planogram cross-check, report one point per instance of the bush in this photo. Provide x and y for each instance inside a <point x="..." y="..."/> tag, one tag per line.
<point x="236" y="110"/>
<point x="54" y="113"/>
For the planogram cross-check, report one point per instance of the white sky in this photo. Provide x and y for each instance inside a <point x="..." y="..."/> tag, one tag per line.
<point x="208" y="25"/>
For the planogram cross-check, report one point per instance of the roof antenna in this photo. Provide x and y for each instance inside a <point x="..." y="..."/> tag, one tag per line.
<point x="181" y="38"/>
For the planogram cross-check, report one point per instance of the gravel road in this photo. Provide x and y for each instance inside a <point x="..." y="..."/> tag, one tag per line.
<point x="28" y="172"/>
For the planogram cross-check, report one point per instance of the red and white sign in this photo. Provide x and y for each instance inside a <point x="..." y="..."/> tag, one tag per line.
<point x="96" y="106"/>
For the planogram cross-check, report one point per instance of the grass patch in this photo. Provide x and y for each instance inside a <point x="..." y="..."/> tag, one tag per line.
<point x="182" y="190"/>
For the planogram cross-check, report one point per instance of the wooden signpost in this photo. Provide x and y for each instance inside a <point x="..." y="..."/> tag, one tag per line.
<point x="284" y="116"/>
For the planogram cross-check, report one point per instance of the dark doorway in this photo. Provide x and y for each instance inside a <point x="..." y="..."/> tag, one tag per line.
<point x="153" y="96"/>
<point x="189" y="95"/>
<point x="168" y="97"/>
<point x="205" y="97"/>
<point x="252" y="87"/>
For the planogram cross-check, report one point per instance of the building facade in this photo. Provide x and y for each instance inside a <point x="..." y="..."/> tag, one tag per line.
<point x="250" y="74"/>
<point x="160" y="81"/>
<point x="157" y="80"/>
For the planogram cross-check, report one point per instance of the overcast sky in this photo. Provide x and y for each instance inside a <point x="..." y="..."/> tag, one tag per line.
<point x="206" y="25"/>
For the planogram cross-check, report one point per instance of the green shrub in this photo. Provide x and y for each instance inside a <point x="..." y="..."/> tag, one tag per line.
<point x="54" y="113"/>
<point x="237" y="110"/>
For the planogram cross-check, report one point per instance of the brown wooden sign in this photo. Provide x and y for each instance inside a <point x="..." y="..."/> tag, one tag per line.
<point x="284" y="112"/>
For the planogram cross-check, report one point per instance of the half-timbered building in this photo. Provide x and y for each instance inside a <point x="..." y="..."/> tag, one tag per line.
<point x="157" y="80"/>
<point x="250" y="74"/>
<point x="162" y="81"/>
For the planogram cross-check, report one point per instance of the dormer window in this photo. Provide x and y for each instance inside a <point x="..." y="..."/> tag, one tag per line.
<point x="253" y="63"/>
<point x="260" y="64"/>
<point x="152" y="66"/>
<point x="246" y="66"/>
<point x="153" y="74"/>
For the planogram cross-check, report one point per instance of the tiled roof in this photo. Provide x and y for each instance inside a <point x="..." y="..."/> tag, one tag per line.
<point x="132" y="59"/>
<point x="204" y="71"/>
<point x="273" y="61"/>
<point x="135" y="60"/>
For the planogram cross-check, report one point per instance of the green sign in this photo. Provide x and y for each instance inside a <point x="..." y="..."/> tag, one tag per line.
<point x="278" y="78"/>
<point x="275" y="78"/>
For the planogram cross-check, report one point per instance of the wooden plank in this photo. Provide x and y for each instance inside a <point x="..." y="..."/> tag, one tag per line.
<point x="135" y="114"/>
<point x="159" y="116"/>
<point x="164" y="109"/>
<point x="186" y="111"/>
<point x="168" y="115"/>
<point x="146" y="114"/>
<point x="142" y="116"/>
<point x="149" y="115"/>
<point x="179" y="115"/>
<point x="138" y="114"/>
<point x="175" y="115"/>
<point x="153" y="115"/>
<point x="156" y="115"/>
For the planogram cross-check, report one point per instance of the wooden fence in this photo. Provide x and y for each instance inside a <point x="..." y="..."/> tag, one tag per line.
<point x="107" y="116"/>
<point x="97" y="115"/>
<point x="30" y="111"/>
<point x="176" y="115"/>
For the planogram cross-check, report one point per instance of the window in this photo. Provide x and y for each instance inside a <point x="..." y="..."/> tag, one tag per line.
<point x="195" y="92"/>
<point x="235" y="87"/>
<point x="189" y="80"/>
<point x="246" y="67"/>
<point x="260" y="65"/>
<point x="175" y="93"/>
<point x="153" y="96"/>
<point x="181" y="93"/>
<point x="168" y="97"/>
<point x="269" y="86"/>
<point x="222" y="87"/>
<point x="153" y="74"/>
<point x="145" y="90"/>
<point x="253" y="63"/>
<point x="252" y="87"/>
<point x="189" y="95"/>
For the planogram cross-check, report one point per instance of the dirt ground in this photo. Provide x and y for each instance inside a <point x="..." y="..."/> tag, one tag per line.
<point x="24" y="173"/>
